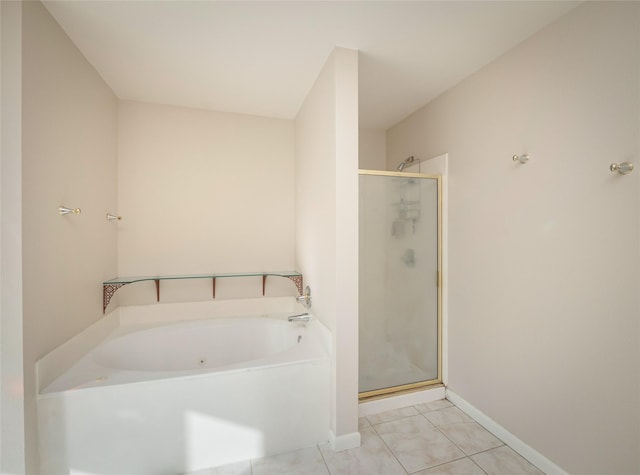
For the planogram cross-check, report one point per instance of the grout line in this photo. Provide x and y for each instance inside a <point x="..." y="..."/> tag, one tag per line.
<point x="440" y="464"/>
<point x="393" y="454"/>
<point x="484" y="451"/>
<point x="425" y="418"/>
<point x="492" y="448"/>
<point x="476" y="464"/>
<point x="392" y="420"/>
<point x="324" y="460"/>
<point x="449" y="439"/>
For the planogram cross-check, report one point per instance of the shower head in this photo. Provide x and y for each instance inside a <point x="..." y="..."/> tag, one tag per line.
<point x="406" y="162"/>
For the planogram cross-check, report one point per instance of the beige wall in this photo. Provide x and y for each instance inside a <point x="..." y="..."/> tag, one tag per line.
<point x="316" y="194"/>
<point x="12" y="448"/>
<point x="372" y="149"/>
<point x="326" y="134"/>
<point x="68" y="158"/>
<point x="201" y="192"/>
<point x="543" y="257"/>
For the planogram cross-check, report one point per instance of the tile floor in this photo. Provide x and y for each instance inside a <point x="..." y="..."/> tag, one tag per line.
<point x="433" y="438"/>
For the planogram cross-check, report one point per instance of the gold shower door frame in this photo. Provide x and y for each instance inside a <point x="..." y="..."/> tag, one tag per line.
<point x="394" y="390"/>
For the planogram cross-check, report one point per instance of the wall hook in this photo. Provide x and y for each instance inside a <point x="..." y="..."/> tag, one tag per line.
<point x="623" y="168"/>
<point x="113" y="217"/>
<point x="62" y="210"/>
<point x="524" y="158"/>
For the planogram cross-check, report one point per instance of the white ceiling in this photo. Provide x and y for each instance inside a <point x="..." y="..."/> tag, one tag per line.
<point x="262" y="57"/>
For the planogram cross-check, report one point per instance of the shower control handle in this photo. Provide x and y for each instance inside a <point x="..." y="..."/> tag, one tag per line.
<point x="305" y="299"/>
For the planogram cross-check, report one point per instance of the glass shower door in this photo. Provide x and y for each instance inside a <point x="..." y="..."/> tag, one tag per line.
<point x="399" y="293"/>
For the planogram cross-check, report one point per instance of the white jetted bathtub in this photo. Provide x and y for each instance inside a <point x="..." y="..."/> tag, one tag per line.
<point x="171" y="388"/>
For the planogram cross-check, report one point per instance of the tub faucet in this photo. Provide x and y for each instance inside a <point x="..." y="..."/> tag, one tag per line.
<point x="303" y="317"/>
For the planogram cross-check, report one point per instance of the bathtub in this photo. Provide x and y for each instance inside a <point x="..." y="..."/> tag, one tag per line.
<point x="172" y="388"/>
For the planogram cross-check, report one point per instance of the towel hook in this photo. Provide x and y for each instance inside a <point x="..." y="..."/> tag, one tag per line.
<point x="62" y="210"/>
<point x="113" y="217"/>
<point x="524" y="158"/>
<point x="623" y="168"/>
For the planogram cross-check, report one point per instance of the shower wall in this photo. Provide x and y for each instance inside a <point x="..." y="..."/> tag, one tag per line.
<point x="543" y="257"/>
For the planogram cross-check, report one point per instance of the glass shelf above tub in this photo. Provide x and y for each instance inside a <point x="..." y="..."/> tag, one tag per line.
<point x="109" y="287"/>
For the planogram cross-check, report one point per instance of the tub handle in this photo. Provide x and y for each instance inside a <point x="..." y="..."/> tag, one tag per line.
<point x="305" y="299"/>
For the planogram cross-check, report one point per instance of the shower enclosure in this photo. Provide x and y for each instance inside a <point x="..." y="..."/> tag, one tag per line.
<point x="400" y="285"/>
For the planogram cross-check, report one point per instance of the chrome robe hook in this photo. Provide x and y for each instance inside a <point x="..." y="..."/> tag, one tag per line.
<point x="62" y="210"/>
<point x="624" y="168"/>
<point x="524" y="158"/>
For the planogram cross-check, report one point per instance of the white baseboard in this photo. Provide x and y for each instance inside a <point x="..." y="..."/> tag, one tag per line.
<point x="344" y="442"/>
<point x="528" y="452"/>
<point x="403" y="400"/>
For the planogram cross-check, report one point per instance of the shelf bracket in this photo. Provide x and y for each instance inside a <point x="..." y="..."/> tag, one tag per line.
<point x="296" y="279"/>
<point x="107" y="292"/>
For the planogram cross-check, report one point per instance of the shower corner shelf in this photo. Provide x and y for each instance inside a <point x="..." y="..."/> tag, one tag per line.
<point x="109" y="287"/>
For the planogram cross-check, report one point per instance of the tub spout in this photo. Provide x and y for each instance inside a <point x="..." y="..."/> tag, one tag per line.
<point x="303" y="317"/>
